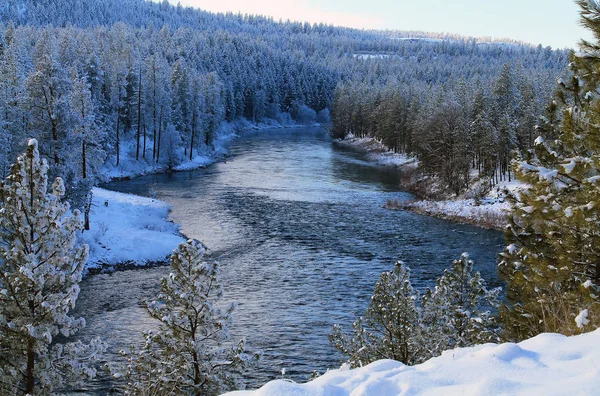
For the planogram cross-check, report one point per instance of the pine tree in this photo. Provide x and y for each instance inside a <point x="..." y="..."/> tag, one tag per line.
<point x="400" y="325"/>
<point x="186" y="355"/>
<point x="390" y="328"/>
<point x="459" y="311"/>
<point x="552" y="261"/>
<point x="40" y="268"/>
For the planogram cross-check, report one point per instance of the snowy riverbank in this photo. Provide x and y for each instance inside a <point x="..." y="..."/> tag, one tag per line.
<point x="134" y="230"/>
<point x="377" y="152"/>
<point x="130" y="230"/>
<point x="490" y="211"/>
<point x="130" y="168"/>
<point x="549" y="364"/>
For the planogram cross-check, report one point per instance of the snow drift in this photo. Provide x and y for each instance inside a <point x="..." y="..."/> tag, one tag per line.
<point x="549" y="364"/>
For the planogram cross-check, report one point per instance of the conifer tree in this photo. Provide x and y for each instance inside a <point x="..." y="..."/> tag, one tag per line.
<point x="390" y="328"/>
<point x="40" y="268"/>
<point x="552" y="261"/>
<point x="186" y="354"/>
<point x="458" y="312"/>
<point x="400" y="325"/>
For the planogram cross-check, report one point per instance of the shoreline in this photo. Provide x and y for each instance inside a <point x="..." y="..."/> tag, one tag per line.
<point x="491" y="213"/>
<point x="204" y="158"/>
<point x="489" y="217"/>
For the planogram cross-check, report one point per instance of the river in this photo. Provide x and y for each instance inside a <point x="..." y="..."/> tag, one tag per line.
<point x="298" y="226"/>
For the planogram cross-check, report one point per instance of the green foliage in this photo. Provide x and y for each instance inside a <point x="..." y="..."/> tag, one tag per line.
<point x="456" y="313"/>
<point x="552" y="261"/>
<point x="391" y="326"/>
<point x="186" y="355"/>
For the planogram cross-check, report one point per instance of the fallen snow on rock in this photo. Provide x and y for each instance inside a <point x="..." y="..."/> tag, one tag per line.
<point x="131" y="229"/>
<point x="549" y="364"/>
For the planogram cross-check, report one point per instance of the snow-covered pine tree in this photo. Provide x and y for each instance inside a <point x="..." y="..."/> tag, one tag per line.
<point x="390" y="328"/>
<point x="186" y="354"/>
<point x="459" y="311"/>
<point x="552" y="261"/>
<point x="40" y="268"/>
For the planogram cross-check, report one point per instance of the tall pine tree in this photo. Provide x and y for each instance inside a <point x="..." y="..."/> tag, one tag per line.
<point x="187" y="355"/>
<point x="552" y="262"/>
<point x="40" y="268"/>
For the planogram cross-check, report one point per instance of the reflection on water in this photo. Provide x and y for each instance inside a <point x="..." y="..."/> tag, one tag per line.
<point x="298" y="226"/>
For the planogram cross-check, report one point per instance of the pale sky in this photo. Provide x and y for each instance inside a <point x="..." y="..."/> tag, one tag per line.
<point x="546" y="22"/>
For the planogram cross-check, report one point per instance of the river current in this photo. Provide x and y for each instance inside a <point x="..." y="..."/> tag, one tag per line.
<point x="298" y="226"/>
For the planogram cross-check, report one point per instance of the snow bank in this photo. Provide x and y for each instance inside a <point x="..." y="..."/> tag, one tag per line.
<point x="549" y="364"/>
<point x="130" y="229"/>
<point x="377" y="152"/>
<point x="489" y="213"/>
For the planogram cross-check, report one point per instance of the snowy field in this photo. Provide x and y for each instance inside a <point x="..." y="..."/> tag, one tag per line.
<point x="130" y="229"/>
<point x="549" y="364"/>
<point x="377" y="152"/>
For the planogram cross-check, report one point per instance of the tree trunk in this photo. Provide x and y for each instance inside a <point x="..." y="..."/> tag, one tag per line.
<point x="154" y="114"/>
<point x="86" y="212"/>
<point x="139" y="111"/>
<point x="118" y="125"/>
<point x="55" y="139"/>
<point x="159" y="136"/>
<point x="83" y="161"/>
<point x="30" y="371"/>
<point x="193" y="134"/>
<point x="144" y="152"/>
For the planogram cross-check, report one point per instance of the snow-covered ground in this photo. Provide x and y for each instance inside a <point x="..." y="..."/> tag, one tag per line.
<point x="491" y="211"/>
<point x="549" y="364"/>
<point x="377" y="152"/>
<point x="130" y="230"/>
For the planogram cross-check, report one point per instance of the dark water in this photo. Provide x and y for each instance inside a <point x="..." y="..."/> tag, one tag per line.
<point x="298" y="226"/>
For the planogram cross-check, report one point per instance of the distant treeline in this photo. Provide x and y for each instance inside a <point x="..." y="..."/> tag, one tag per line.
<point x="109" y="82"/>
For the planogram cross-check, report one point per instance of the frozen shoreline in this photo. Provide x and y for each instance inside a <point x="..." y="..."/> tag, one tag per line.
<point x="130" y="168"/>
<point x="128" y="230"/>
<point x="377" y="152"/>
<point x="490" y="212"/>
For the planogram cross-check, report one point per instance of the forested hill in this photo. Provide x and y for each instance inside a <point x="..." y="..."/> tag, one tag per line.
<point x="130" y="83"/>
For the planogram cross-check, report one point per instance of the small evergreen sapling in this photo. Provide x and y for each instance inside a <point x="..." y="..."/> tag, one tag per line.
<point x="390" y="328"/>
<point x="456" y="313"/>
<point x="40" y="269"/>
<point x="186" y="354"/>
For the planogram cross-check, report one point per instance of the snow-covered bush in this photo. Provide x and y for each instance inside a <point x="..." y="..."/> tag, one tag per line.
<point x="390" y="328"/>
<point x="456" y="313"/>
<point x="40" y="268"/>
<point x="186" y="354"/>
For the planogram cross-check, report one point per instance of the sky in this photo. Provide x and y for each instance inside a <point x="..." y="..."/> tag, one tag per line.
<point x="547" y="22"/>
